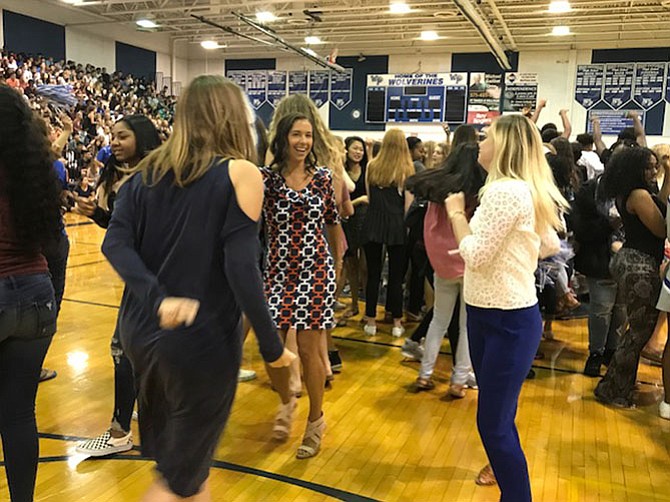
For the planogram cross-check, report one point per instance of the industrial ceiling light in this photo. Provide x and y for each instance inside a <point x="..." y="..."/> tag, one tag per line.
<point x="210" y="45"/>
<point x="559" y="7"/>
<point x="146" y="23"/>
<point x="313" y="40"/>
<point x="265" y="17"/>
<point x="310" y="51"/>
<point x="429" y="35"/>
<point x="399" y="8"/>
<point x="561" y="31"/>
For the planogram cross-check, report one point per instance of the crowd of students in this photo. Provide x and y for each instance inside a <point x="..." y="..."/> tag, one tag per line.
<point x="482" y="236"/>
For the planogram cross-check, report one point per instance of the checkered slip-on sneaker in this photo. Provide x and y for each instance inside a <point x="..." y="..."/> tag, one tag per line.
<point x="105" y="444"/>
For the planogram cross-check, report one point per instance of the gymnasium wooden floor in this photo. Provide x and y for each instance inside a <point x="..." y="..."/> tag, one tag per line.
<point x="383" y="442"/>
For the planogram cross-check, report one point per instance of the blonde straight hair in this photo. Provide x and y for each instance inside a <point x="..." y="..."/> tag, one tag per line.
<point x="518" y="155"/>
<point x="393" y="164"/>
<point x="327" y="147"/>
<point x="212" y="119"/>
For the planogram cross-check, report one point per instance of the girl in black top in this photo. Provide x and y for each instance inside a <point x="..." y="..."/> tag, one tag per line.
<point x="384" y="226"/>
<point x="630" y="179"/>
<point x="356" y="164"/>
<point x="133" y="137"/>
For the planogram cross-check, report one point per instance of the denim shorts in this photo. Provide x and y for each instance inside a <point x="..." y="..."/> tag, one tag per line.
<point x="27" y="307"/>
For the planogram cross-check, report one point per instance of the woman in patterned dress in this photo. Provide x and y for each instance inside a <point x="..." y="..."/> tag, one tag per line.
<point x="299" y="209"/>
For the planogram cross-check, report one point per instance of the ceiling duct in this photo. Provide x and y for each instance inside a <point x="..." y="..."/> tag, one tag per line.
<point x="472" y="13"/>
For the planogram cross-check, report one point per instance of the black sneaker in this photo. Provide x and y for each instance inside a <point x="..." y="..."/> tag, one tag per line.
<point x="335" y="361"/>
<point x="607" y="356"/>
<point x="593" y="363"/>
<point x="531" y="375"/>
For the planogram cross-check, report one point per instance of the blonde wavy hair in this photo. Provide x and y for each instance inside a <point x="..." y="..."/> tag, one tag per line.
<point x="393" y="164"/>
<point x="518" y="155"/>
<point x="212" y="119"/>
<point x="327" y="147"/>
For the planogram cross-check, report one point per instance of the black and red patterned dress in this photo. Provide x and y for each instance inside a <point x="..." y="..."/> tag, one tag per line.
<point x="299" y="268"/>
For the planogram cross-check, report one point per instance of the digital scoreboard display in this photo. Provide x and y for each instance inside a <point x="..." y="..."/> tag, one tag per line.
<point x="423" y="97"/>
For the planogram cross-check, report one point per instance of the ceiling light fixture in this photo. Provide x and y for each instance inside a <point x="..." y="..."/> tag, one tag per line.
<point x="561" y="31"/>
<point x="429" y="35"/>
<point x="310" y="51"/>
<point x="210" y="45"/>
<point x="399" y="8"/>
<point x="146" y="23"/>
<point x="313" y="40"/>
<point x="559" y="7"/>
<point x="265" y="17"/>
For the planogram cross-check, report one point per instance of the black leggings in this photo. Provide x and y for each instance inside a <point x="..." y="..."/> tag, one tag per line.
<point x="375" y="259"/>
<point x="124" y="387"/>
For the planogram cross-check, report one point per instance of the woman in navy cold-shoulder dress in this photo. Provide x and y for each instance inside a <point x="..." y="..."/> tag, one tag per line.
<point x="183" y="236"/>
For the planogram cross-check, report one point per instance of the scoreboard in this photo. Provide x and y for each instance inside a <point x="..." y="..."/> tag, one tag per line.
<point x="421" y="97"/>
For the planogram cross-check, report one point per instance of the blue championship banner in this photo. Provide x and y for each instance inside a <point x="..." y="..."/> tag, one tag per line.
<point x="277" y="81"/>
<point x="297" y="82"/>
<point x="648" y="86"/>
<point x="257" y="87"/>
<point x="340" y="88"/>
<point x="318" y="86"/>
<point x="239" y="77"/>
<point x="618" y="88"/>
<point x="589" y="86"/>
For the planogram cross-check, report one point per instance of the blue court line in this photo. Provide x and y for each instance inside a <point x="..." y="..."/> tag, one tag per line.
<point x="219" y="464"/>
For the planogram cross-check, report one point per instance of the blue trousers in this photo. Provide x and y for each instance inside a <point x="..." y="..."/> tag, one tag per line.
<point x="503" y="344"/>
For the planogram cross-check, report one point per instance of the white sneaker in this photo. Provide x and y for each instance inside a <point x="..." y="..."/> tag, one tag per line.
<point x="471" y="381"/>
<point x="105" y="444"/>
<point x="246" y="375"/>
<point x="398" y="331"/>
<point x="370" y="330"/>
<point x="664" y="409"/>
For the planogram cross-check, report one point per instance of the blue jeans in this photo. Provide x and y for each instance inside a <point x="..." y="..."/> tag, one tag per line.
<point x="607" y="318"/>
<point x="503" y="344"/>
<point x="27" y="324"/>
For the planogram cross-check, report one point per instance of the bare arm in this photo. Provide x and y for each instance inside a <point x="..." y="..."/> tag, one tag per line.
<point x="536" y="114"/>
<point x="641" y="204"/>
<point x="567" y="126"/>
<point x="665" y="189"/>
<point x="598" y="136"/>
<point x="640" y="134"/>
<point x="61" y="141"/>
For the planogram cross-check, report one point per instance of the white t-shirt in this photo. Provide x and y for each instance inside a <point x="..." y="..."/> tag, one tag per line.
<point x="591" y="161"/>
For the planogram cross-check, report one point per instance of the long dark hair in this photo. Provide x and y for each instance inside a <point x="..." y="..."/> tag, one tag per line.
<point x="563" y="165"/>
<point x="146" y="140"/>
<point x="29" y="178"/>
<point x="625" y="172"/>
<point x="279" y="145"/>
<point x="347" y="143"/>
<point x="464" y="134"/>
<point x="460" y="172"/>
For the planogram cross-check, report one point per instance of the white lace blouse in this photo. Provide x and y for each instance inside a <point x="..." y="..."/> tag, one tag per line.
<point x="502" y="252"/>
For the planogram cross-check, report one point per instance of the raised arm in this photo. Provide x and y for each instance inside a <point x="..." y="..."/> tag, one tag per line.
<point x="598" y="135"/>
<point x="640" y="134"/>
<point x="536" y="114"/>
<point x="567" y="126"/>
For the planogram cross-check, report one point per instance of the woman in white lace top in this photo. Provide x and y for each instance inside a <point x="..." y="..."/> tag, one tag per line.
<point x="517" y="216"/>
